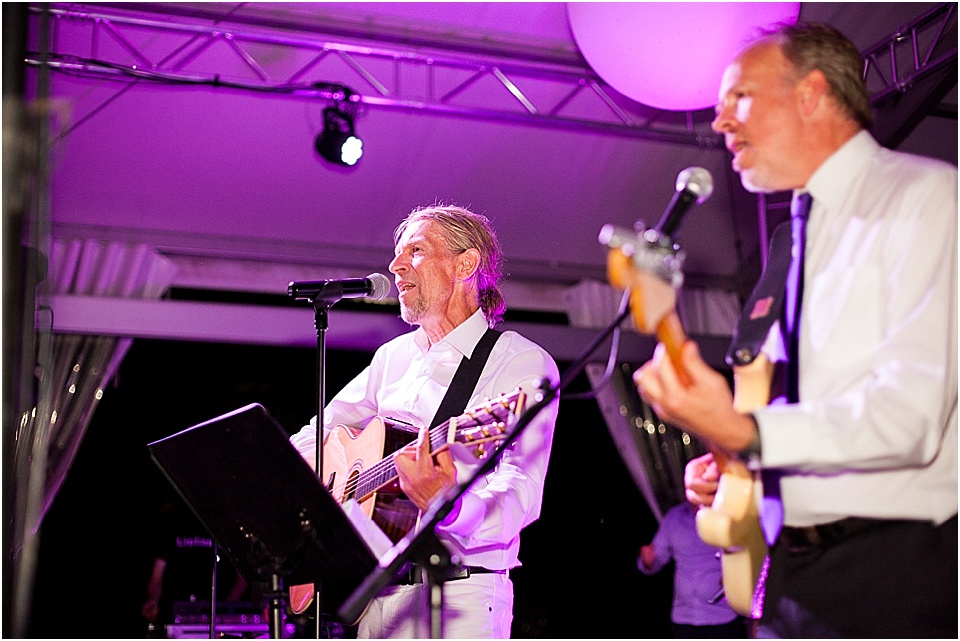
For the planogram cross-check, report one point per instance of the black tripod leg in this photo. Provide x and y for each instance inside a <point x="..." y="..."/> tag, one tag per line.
<point x="276" y="607"/>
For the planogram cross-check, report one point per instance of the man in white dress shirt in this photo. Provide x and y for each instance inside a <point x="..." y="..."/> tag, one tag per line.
<point x="868" y="453"/>
<point x="447" y="266"/>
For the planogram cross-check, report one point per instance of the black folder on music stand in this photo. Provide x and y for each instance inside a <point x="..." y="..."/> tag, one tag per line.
<point x="263" y="504"/>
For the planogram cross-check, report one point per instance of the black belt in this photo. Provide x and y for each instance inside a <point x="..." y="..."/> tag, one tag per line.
<point x="801" y="539"/>
<point x="414" y="574"/>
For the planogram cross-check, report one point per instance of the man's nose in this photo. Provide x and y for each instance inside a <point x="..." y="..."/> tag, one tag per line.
<point x="723" y="122"/>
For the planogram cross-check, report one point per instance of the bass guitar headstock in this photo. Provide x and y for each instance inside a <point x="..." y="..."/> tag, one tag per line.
<point x="650" y="266"/>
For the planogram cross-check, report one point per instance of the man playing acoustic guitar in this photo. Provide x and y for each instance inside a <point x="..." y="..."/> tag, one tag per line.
<point x="447" y="267"/>
<point x="867" y="451"/>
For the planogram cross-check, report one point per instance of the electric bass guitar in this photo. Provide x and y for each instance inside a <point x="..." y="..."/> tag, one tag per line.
<point x="354" y="467"/>
<point x="648" y="265"/>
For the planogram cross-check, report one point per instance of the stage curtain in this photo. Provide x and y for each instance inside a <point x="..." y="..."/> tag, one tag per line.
<point x="709" y="312"/>
<point x="74" y="370"/>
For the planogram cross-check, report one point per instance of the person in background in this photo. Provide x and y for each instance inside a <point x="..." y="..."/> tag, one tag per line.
<point x="867" y="452"/>
<point x="447" y="266"/>
<point x="699" y="610"/>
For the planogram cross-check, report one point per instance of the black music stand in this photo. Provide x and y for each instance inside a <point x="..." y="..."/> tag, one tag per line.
<point x="264" y="506"/>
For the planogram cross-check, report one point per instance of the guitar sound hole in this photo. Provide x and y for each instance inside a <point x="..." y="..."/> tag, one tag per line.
<point x="351" y="487"/>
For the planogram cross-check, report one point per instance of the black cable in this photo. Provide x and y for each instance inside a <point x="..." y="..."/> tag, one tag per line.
<point x="611" y="360"/>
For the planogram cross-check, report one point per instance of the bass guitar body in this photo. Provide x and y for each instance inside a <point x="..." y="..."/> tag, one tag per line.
<point x="732" y="523"/>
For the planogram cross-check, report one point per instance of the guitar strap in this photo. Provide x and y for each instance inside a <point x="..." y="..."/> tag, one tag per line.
<point x="765" y="304"/>
<point x="465" y="379"/>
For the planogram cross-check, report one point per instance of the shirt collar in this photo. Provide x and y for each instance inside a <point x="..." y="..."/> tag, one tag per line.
<point x="829" y="183"/>
<point x="463" y="338"/>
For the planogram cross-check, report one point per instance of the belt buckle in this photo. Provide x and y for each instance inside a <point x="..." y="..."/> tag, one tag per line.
<point x="458" y="572"/>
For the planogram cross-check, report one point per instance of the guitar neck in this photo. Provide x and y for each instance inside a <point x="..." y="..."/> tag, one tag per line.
<point x="385" y="472"/>
<point x="377" y="476"/>
<point x="670" y="333"/>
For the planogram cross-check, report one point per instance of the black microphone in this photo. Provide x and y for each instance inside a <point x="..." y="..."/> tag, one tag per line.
<point x="693" y="184"/>
<point x="374" y="286"/>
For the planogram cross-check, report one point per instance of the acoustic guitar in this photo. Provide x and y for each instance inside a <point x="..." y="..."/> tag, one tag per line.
<point x="651" y="269"/>
<point x="355" y="469"/>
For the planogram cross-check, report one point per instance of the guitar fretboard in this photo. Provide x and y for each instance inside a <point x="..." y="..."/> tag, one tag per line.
<point x="497" y="411"/>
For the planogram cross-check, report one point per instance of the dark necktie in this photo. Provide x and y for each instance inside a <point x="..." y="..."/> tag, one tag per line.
<point x="771" y="510"/>
<point x="799" y="213"/>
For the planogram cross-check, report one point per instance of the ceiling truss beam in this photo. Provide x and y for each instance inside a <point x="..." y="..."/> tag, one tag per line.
<point x="383" y="70"/>
<point x="912" y="52"/>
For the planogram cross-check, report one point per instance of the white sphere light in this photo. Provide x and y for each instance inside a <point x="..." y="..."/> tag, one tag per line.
<point x="669" y="55"/>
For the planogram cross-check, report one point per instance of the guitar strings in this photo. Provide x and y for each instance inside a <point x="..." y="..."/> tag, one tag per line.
<point x="387" y="466"/>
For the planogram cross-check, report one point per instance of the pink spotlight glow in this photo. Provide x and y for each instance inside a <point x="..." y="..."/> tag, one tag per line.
<point x="669" y="55"/>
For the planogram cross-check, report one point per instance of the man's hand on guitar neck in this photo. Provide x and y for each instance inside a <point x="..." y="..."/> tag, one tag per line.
<point x="424" y="476"/>
<point x="704" y="406"/>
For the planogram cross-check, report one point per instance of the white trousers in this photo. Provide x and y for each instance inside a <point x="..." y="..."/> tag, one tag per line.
<point x="478" y="607"/>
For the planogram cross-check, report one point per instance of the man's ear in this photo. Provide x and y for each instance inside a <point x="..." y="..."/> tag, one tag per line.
<point x="814" y="88"/>
<point x="468" y="263"/>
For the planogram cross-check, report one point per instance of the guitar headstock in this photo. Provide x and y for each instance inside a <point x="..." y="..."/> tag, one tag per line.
<point x="483" y="427"/>
<point x="647" y="262"/>
<point x="482" y="439"/>
<point x="650" y="266"/>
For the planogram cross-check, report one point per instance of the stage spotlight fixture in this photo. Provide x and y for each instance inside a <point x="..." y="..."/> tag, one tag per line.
<point x="337" y="142"/>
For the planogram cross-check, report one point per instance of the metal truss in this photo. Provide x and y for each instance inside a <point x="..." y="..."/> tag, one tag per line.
<point x="913" y="52"/>
<point x="395" y="77"/>
<point x="122" y="46"/>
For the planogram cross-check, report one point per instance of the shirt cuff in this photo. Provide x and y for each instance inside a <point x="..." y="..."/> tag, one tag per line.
<point x="465" y="517"/>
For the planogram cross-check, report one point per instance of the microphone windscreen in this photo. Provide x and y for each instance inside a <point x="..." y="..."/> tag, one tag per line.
<point x="379" y="286"/>
<point x="697" y="180"/>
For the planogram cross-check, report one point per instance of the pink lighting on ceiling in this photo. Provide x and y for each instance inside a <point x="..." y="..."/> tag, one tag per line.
<point x="669" y="55"/>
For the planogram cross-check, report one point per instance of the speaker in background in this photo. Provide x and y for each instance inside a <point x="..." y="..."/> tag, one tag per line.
<point x="222" y="631"/>
<point x="655" y="453"/>
<point x="240" y="619"/>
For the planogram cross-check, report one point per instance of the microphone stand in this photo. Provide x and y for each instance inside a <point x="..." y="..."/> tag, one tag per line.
<point x="213" y="594"/>
<point x="323" y="295"/>
<point x="321" y="308"/>
<point x="423" y="546"/>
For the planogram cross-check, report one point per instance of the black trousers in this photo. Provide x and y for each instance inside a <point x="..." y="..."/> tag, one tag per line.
<point x="736" y="629"/>
<point x="895" y="579"/>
